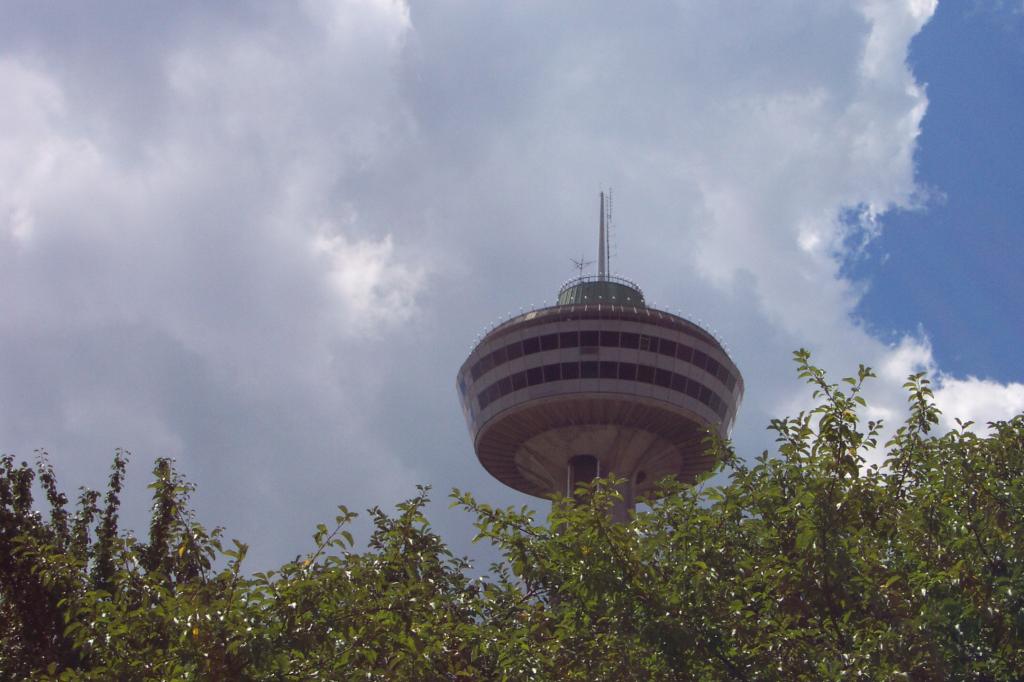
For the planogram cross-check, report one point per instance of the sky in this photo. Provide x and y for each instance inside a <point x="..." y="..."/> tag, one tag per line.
<point x="261" y="238"/>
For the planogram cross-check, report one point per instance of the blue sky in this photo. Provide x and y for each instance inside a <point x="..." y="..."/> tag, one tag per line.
<point x="954" y="266"/>
<point x="261" y="238"/>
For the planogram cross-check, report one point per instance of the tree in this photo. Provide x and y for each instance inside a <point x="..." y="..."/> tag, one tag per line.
<point x="806" y="564"/>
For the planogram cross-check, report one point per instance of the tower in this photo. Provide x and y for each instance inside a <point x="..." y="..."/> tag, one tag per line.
<point x="599" y="383"/>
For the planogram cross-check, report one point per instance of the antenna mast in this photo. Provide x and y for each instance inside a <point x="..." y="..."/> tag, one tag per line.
<point x="602" y="242"/>
<point x="608" y="234"/>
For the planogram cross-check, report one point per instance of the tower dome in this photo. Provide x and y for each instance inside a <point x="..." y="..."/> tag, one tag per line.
<point x="599" y="383"/>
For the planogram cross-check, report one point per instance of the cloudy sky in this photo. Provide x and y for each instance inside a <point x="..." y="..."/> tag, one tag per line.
<point x="261" y="237"/>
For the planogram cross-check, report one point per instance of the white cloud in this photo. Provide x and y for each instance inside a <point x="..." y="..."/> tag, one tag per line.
<point x="910" y="356"/>
<point x="373" y="287"/>
<point x="34" y="159"/>
<point x="161" y="291"/>
<point x="978" y="400"/>
<point x="261" y="238"/>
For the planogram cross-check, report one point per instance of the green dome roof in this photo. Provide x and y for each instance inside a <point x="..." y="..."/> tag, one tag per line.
<point x="613" y="290"/>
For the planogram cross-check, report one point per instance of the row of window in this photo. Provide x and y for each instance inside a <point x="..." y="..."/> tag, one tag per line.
<point x="566" y="371"/>
<point x="605" y="311"/>
<point x="603" y="339"/>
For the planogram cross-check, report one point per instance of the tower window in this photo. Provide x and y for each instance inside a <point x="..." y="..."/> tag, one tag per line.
<point x="569" y="339"/>
<point x="610" y="339"/>
<point x="486" y="362"/>
<point x="552" y="372"/>
<point x="519" y="381"/>
<point x="627" y="371"/>
<point x="678" y="383"/>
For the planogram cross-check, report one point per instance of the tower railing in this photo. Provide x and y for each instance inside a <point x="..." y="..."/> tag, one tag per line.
<point x="587" y="279"/>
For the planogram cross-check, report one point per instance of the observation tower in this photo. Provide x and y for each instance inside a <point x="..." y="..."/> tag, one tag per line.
<point x="599" y="383"/>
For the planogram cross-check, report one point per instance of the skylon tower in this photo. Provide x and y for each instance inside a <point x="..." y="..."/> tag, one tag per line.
<point x="599" y="383"/>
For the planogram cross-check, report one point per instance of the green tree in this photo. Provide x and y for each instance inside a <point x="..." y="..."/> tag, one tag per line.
<point x="805" y="564"/>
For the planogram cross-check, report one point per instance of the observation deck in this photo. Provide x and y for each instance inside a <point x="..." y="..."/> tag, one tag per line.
<point x="598" y="384"/>
<point x="633" y="386"/>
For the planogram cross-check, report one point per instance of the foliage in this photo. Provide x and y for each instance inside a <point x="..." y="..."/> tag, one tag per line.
<point x="809" y="564"/>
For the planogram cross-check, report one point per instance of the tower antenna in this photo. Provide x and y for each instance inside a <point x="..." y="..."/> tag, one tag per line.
<point x="608" y="234"/>
<point x="602" y="244"/>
